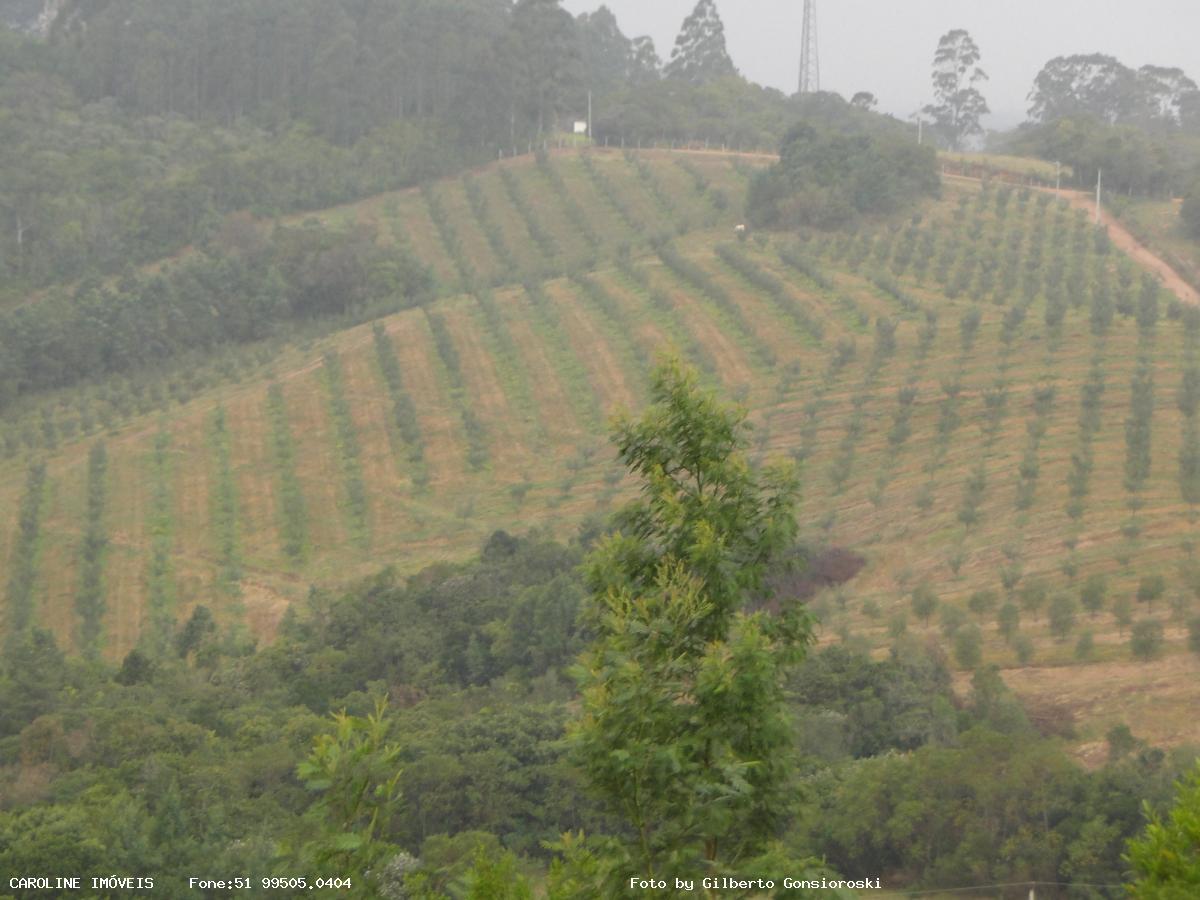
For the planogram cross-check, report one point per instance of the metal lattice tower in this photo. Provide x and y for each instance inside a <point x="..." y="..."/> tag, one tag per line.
<point x="810" y="57"/>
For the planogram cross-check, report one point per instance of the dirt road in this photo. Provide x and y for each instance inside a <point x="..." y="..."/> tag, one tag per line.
<point x="1139" y="252"/>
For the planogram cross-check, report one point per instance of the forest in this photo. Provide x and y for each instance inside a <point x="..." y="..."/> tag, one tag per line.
<point x="404" y="495"/>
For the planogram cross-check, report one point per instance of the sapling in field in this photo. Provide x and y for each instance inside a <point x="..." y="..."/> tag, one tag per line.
<point x="1094" y="593"/>
<point x="1062" y="616"/>
<point x="1008" y="621"/>
<point x="1146" y="640"/>
<point x="924" y="602"/>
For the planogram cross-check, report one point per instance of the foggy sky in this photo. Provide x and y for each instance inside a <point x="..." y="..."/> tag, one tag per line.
<point x="886" y="46"/>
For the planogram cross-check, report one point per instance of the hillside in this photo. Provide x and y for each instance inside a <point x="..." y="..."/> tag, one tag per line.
<point x="966" y="415"/>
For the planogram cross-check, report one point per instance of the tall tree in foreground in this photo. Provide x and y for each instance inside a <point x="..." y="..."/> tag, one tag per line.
<point x="958" y="104"/>
<point x="700" y="54"/>
<point x="355" y="773"/>
<point x="1166" y="858"/>
<point x="683" y="729"/>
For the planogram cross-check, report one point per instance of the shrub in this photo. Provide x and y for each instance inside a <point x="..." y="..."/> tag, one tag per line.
<point x="1093" y="594"/>
<point x="1085" y="646"/>
<point x="1146" y="639"/>
<point x="1122" y="613"/>
<point x="1008" y="621"/>
<point x="982" y="603"/>
<point x="1062" y="616"/>
<point x="826" y="180"/>
<point x="968" y="647"/>
<point x="1023" y="647"/>
<point x="952" y="620"/>
<point x="924" y="602"/>
<point x="1151" y="588"/>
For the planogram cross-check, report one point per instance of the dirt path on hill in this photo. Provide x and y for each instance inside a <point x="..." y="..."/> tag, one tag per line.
<point x="1122" y="238"/>
<point x="1141" y="254"/>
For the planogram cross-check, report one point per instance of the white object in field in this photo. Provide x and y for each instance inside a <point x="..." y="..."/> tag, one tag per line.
<point x="581" y="128"/>
<point x="740" y="229"/>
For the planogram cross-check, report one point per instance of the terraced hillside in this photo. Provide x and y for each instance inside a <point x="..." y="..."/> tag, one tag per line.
<point x="988" y="403"/>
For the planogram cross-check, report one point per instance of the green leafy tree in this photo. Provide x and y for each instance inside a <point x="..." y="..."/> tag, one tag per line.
<point x="683" y="730"/>
<point x="1146" y="639"/>
<point x="1151" y="588"/>
<point x="924" y="602"/>
<point x="355" y="772"/>
<point x="1024" y="649"/>
<point x="982" y="602"/>
<point x="1093" y="594"/>
<point x="958" y="104"/>
<point x="1008" y="621"/>
<point x="1033" y="596"/>
<point x="1122" y="612"/>
<point x="546" y="58"/>
<point x="968" y="647"/>
<point x="495" y="877"/>
<point x="1166" y="858"/>
<point x="197" y="631"/>
<point x="700" y="54"/>
<point x="1062" y="616"/>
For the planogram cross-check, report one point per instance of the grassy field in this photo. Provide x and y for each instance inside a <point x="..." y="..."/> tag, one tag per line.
<point x="1018" y="165"/>
<point x="958" y="402"/>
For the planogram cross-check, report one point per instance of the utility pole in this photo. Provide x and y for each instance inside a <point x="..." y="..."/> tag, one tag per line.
<point x="1057" y="176"/>
<point x="917" y="117"/>
<point x="589" y="115"/>
<point x="810" y="58"/>
<point x="1099" y="181"/>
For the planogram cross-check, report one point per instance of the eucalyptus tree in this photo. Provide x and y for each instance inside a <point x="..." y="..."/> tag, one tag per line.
<point x="958" y="104"/>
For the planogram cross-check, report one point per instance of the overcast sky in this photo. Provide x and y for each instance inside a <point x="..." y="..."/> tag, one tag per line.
<point x="886" y="46"/>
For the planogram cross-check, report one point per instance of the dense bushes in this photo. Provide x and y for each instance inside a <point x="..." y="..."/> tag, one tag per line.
<point x="1190" y="213"/>
<point x="900" y="776"/>
<point x="825" y="180"/>
<point x="244" y="287"/>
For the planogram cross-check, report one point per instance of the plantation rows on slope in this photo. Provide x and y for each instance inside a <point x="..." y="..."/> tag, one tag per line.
<point x="987" y="403"/>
